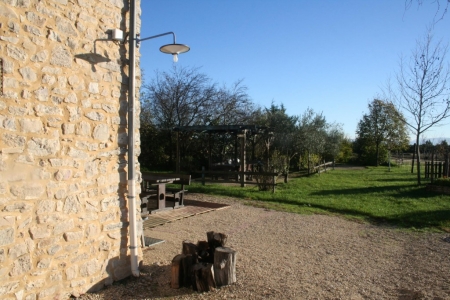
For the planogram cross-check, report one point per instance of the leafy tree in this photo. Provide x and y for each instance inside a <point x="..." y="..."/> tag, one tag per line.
<point x="333" y="142"/>
<point x="380" y="130"/>
<point x="345" y="150"/>
<point x="283" y="127"/>
<point x="311" y="135"/>
<point x="423" y="83"/>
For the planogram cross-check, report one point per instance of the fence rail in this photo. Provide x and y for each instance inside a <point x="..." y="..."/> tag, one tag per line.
<point x="437" y="169"/>
<point x="244" y="178"/>
<point x="323" y="167"/>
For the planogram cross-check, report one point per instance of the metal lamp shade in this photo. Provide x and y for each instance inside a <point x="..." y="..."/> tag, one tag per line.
<point x="174" y="48"/>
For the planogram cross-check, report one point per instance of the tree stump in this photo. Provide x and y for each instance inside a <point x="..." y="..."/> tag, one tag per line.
<point x="215" y="240"/>
<point x="176" y="279"/>
<point x="204" y="277"/>
<point x="189" y="248"/>
<point x="187" y="264"/>
<point x="203" y="252"/>
<point x="224" y="266"/>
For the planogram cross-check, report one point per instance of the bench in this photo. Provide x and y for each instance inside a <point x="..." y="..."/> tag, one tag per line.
<point x="151" y="192"/>
<point x="177" y="194"/>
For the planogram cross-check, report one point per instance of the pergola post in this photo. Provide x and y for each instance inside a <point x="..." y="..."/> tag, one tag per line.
<point x="178" y="153"/>
<point x="242" y="137"/>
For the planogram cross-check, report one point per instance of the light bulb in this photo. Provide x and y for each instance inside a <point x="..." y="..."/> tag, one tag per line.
<point x="175" y="57"/>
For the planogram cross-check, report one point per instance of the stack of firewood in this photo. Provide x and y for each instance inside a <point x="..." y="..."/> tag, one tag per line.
<point x="205" y="265"/>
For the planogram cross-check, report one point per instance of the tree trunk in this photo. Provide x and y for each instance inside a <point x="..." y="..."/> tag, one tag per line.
<point x="418" y="160"/>
<point x="377" y="151"/>
<point x="413" y="158"/>
<point x="225" y="266"/>
<point x="204" y="277"/>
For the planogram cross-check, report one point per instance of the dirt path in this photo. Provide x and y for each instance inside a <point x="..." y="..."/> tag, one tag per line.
<point x="289" y="256"/>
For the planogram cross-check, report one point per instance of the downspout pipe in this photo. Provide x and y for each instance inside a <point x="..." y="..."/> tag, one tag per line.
<point x="131" y="143"/>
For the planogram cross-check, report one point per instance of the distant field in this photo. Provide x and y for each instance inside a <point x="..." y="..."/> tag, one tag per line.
<point x="369" y="195"/>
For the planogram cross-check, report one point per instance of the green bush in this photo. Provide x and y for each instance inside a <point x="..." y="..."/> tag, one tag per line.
<point x="442" y="181"/>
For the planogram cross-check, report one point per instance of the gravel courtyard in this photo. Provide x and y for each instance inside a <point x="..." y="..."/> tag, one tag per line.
<point x="289" y="256"/>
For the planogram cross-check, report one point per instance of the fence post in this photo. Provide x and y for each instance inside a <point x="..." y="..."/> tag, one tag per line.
<point x="203" y="175"/>
<point x="446" y="168"/>
<point x="432" y="168"/>
<point x="440" y="170"/>
<point x="414" y="156"/>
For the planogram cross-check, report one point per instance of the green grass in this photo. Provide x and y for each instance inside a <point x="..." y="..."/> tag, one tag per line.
<point x="372" y="195"/>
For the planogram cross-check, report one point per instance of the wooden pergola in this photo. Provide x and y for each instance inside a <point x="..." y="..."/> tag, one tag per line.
<point x="239" y="131"/>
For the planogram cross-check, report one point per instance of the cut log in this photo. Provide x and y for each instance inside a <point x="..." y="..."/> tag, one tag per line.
<point x="189" y="248"/>
<point x="188" y="263"/>
<point x="224" y="266"/>
<point x="204" y="277"/>
<point x="203" y="252"/>
<point x="215" y="239"/>
<point x="177" y="273"/>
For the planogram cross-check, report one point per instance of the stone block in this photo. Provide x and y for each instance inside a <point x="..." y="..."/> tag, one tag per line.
<point x="54" y="249"/>
<point x="63" y="226"/>
<point x="9" y="287"/>
<point x="28" y="74"/>
<point x="21" y="265"/>
<point x="101" y="132"/>
<point x="43" y="147"/>
<point x="71" y="205"/>
<point x="83" y="128"/>
<point x="73" y="236"/>
<point x="61" y="57"/>
<point x="114" y="226"/>
<point x="6" y="236"/>
<point x="45" y="206"/>
<point x="95" y="116"/>
<point x="27" y="191"/>
<point x="13" y="140"/>
<point x="39" y="232"/>
<point x="44" y="263"/>
<point x="63" y="175"/>
<point x="89" y="268"/>
<point x="68" y="128"/>
<point x="46" y="293"/>
<point x="16" y="52"/>
<point x="41" y="94"/>
<point x="18" y="250"/>
<point x="92" y="231"/>
<point x="35" y="18"/>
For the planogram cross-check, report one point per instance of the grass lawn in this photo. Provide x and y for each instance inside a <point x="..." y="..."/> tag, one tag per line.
<point x="370" y="195"/>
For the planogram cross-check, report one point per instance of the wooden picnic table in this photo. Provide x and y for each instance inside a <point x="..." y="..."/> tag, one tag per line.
<point x="152" y="181"/>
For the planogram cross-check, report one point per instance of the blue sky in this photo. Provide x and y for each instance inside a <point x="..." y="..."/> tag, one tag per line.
<point x="331" y="56"/>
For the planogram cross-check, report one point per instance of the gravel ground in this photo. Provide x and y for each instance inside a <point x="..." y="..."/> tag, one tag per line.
<point x="289" y="256"/>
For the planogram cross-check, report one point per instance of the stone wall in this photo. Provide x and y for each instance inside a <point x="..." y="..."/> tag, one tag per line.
<point x="63" y="147"/>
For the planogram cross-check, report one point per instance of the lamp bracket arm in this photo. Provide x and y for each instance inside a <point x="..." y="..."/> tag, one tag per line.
<point x="138" y="40"/>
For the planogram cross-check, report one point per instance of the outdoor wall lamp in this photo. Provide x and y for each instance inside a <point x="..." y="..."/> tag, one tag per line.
<point x="173" y="49"/>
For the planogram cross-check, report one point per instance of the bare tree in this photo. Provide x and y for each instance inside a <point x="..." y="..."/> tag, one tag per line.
<point x="424" y="88"/>
<point x="441" y="9"/>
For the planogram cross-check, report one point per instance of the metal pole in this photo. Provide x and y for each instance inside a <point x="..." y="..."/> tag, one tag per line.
<point x="131" y="143"/>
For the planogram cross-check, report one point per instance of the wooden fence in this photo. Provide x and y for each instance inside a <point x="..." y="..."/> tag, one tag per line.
<point x="323" y="167"/>
<point x="244" y="178"/>
<point x="437" y="169"/>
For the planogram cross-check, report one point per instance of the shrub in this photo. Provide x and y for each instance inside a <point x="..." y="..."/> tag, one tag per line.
<point x="442" y="181"/>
